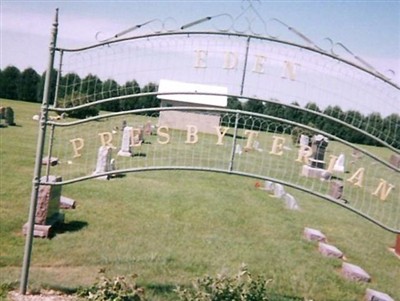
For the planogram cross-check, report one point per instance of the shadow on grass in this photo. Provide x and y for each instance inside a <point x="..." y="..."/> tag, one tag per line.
<point x="161" y="288"/>
<point x="72" y="226"/>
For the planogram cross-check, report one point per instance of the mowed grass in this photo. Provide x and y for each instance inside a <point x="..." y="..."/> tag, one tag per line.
<point x="171" y="227"/>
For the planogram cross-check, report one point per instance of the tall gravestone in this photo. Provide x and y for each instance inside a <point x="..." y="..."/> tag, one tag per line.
<point x="316" y="165"/>
<point x="47" y="208"/>
<point x="318" y="145"/>
<point x="103" y="161"/>
<point x="126" y="150"/>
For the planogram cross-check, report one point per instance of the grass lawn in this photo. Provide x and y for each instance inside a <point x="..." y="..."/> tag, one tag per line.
<point x="171" y="227"/>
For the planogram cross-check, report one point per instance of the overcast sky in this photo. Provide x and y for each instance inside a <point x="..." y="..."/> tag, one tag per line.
<point x="370" y="29"/>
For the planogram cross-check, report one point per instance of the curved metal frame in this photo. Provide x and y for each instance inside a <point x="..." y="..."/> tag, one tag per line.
<point x="366" y="68"/>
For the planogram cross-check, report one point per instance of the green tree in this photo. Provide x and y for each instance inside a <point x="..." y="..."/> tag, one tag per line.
<point x="28" y="85"/>
<point x="234" y="103"/>
<point x="148" y="101"/>
<point x="110" y="88"/>
<point x="293" y="113"/>
<point x="254" y="105"/>
<point x="69" y="83"/>
<point x="53" y="82"/>
<point x="309" y="118"/>
<point x="91" y="86"/>
<point x="10" y="79"/>
<point x="130" y="88"/>
<point x="76" y="99"/>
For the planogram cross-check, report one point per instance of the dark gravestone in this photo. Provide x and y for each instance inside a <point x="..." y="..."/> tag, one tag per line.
<point x="336" y="189"/>
<point x="395" y="160"/>
<point x="318" y="146"/>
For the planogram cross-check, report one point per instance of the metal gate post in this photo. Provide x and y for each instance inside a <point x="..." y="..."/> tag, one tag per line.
<point x="38" y="161"/>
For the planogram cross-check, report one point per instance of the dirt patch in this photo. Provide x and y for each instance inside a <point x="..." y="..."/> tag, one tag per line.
<point x="44" y="295"/>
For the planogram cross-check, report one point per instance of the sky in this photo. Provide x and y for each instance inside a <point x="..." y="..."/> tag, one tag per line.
<point x="370" y="29"/>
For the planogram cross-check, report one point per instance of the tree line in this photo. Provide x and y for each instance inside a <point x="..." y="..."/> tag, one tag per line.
<point x="74" y="90"/>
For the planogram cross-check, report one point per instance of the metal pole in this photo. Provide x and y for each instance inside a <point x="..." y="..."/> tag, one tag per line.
<point x="58" y="79"/>
<point x="38" y="162"/>
<point x="245" y="66"/>
<point x="234" y="142"/>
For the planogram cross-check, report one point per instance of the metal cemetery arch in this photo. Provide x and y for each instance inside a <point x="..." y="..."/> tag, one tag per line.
<point x="213" y="138"/>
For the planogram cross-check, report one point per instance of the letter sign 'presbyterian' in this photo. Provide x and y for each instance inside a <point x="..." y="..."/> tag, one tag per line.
<point x="382" y="190"/>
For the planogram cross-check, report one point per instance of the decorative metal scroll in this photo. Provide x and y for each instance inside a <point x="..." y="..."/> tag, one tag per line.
<point x="249" y="22"/>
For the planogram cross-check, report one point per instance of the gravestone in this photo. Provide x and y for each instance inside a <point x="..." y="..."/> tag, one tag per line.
<point x="256" y="146"/>
<point x="103" y="161"/>
<point x="314" y="235"/>
<point x="316" y="166"/>
<point x="395" y="160"/>
<point x="304" y="140"/>
<point x="52" y="161"/>
<point x="336" y="189"/>
<point x="290" y="202"/>
<point x="9" y="116"/>
<point x="319" y="144"/>
<point x="125" y="150"/>
<point x="268" y="186"/>
<point x="148" y="128"/>
<point x="373" y="295"/>
<point x="329" y="250"/>
<point x="356" y="155"/>
<point x="339" y="164"/>
<point x="47" y="208"/>
<point x="67" y="203"/>
<point x="354" y="272"/>
<point x="279" y="191"/>
<point x="138" y="138"/>
<point x="238" y="149"/>
<point x="2" y="116"/>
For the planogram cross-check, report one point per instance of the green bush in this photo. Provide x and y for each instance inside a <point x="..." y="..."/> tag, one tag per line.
<point x="117" y="289"/>
<point x="242" y="287"/>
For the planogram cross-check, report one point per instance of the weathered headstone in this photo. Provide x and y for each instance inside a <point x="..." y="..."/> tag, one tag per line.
<point x="138" y="138"/>
<point x="256" y="146"/>
<point x="373" y="295"/>
<point x="290" y="202"/>
<point x="67" y="203"/>
<point x="269" y="186"/>
<point x="148" y="128"/>
<point x="339" y="164"/>
<point x="126" y="150"/>
<point x="9" y="116"/>
<point x="336" y="189"/>
<point x="238" y="149"/>
<point x="395" y="160"/>
<point x="279" y="191"/>
<point x="47" y="208"/>
<point x="314" y="235"/>
<point x="329" y="250"/>
<point x="356" y="155"/>
<point x="52" y="161"/>
<point x="304" y="140"/>
<point x="103" y="161"/>
<point x="354" y="272"/>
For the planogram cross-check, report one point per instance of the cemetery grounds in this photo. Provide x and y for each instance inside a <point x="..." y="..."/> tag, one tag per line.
<point x="171" y="227"/>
